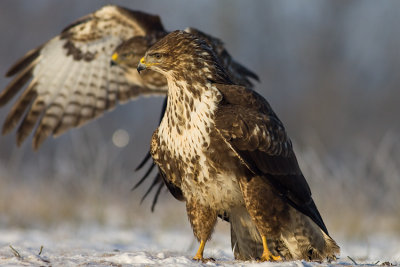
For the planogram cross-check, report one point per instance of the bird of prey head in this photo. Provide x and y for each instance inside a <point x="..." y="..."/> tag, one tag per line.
<point x="170" y="60"/>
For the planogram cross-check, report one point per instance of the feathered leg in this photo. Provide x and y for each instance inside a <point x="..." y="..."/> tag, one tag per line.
<point x="203" y="220"/>
<point x="267" y="211"/>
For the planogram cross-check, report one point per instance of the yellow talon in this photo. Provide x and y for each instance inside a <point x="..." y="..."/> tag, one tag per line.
<point x="199" y="254"/>
<point x="267" y="255"/>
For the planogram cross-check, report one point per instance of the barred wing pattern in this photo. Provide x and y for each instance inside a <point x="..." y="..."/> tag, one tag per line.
<point x="72" y="81"/>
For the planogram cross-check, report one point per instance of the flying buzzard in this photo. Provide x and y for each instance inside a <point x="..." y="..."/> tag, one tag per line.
<point x="72" y="82"/>
<point x="222" y="149"/>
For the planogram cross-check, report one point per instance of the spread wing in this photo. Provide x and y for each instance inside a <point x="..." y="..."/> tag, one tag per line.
<point x="69" y="78"/>
<point x="248" y="124"/>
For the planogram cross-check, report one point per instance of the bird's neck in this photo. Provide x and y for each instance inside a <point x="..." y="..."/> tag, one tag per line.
<point x="190" y="102"/>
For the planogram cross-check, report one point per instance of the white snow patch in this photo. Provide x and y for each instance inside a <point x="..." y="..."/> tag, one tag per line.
<point x="105" y="246"/>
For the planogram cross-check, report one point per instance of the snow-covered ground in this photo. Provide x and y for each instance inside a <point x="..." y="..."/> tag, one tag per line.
<point x="114" y="246"/>
<point x="80" y="209"/>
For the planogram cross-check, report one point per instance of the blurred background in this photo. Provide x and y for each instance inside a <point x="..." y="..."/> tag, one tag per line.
<point x="330" y="70"/>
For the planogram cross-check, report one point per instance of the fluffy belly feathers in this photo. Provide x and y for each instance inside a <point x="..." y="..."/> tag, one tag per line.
<point x="198" y="167"/>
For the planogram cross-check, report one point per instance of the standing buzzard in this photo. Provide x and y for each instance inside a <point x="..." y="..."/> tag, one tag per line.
<point x="69" y="80"/>
<point x="221" y="149"/>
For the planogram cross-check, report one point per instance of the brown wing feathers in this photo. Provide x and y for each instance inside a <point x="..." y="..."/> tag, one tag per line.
<point x="247" y="122"/>
<point x="19" y="108"/>
<point x="24" y="69"/>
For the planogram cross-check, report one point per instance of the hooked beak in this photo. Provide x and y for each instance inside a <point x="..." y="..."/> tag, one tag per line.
<point x="142" y="65"/>
<point x="114" y="59"/>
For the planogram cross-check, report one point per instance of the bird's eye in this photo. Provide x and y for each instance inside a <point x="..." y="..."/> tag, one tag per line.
<point x="157" y="55"/>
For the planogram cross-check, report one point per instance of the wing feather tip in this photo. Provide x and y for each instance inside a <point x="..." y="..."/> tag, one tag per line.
<point x="7" y="128"/>
<point x="20" y="139"/>
<point x="24" y="61"/>
<point x="40" y="135"/>
<point x="37" y="142"/>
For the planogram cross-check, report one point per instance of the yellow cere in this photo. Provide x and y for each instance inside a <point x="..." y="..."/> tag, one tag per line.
<point x="142" y="61"/>
<point x="114" y="56"/>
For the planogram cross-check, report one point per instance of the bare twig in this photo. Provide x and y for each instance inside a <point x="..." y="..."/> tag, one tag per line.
<point x="352" y="260"/>
<point x="40" y="251"/>
<point x="41" y="257"/>
<point x="15" y="252"/>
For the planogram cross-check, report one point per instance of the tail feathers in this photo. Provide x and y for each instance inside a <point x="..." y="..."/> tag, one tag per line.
<point x="332" y="249"/>
<point x="245" y="240"/>
<point x="328" y="250"/>
<point x="244" y="247"/>
<point x="307" y="241"/>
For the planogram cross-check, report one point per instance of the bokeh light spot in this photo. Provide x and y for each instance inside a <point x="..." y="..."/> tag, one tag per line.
<point x="120" y="138"/>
